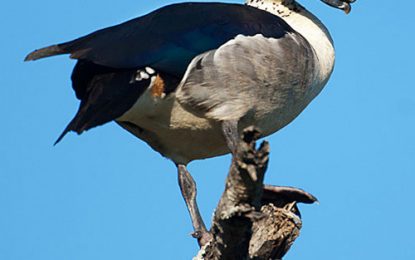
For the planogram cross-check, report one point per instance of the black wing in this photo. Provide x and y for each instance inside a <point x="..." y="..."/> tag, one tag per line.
<point x="169" y="38"/>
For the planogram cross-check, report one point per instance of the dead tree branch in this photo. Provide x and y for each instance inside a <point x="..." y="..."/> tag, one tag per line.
<point x="253" y="220"/>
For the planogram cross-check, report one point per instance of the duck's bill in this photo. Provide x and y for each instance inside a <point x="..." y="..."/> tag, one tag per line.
<point x="344" y="5"/>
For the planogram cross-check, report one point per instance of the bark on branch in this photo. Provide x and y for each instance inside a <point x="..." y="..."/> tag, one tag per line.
<point x="253" y="220"/>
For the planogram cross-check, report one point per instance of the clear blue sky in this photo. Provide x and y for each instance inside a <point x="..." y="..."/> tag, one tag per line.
<point x="106" y="195"/>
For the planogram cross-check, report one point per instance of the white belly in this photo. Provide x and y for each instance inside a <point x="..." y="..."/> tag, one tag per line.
<point x="172" y="131"/>
<point x="182" y="136"/>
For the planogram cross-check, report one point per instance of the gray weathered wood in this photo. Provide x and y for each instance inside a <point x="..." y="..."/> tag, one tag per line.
<point x="253" y="221"/>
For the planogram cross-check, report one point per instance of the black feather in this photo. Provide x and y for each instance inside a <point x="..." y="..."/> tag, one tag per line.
<point x="105" y="95"/>
<point x="45" y="52"/>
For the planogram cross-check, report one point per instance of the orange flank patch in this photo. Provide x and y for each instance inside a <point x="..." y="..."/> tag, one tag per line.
<point x="157" y="90"/>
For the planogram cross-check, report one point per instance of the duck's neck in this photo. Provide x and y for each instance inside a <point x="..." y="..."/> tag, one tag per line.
<point x="309" y="26"/>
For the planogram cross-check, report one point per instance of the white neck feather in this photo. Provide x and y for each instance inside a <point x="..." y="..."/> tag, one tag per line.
<point x="309" y="26"/>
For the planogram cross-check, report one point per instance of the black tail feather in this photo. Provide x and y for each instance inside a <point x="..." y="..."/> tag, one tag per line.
<point x="62" y="135"/>
<point x="45" y="52"/>
<point x="72" y="126"/>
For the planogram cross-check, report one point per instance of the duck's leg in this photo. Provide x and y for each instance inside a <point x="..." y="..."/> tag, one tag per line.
<point x="189" y="192"/>
<point x="230" y="132"/>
